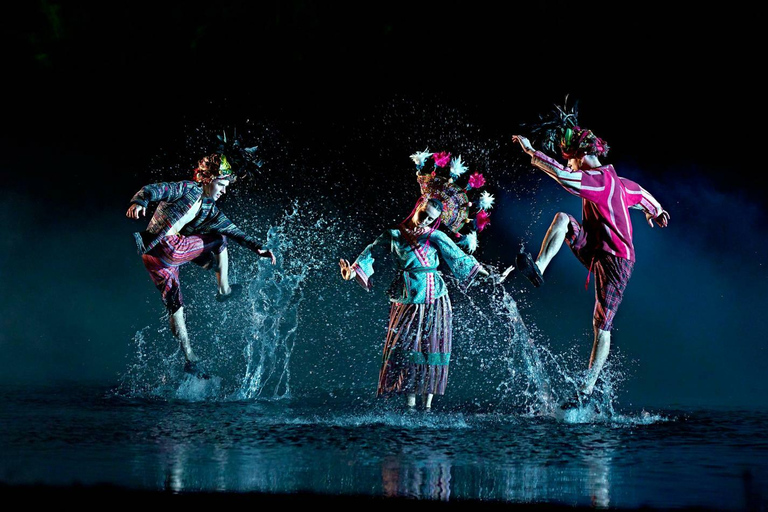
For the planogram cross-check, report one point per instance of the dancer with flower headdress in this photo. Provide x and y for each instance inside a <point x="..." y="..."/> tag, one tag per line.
<point x="602" y="241"/>
<point x="417" y="349"/>
<point x="188" y="226"/>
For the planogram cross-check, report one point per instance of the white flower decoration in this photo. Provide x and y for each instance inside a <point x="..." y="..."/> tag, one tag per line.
<point x="486" y="200"/>
<point x="471" y="241"/>
<point x="457" y="167"/>
<point x="420" y="157"/>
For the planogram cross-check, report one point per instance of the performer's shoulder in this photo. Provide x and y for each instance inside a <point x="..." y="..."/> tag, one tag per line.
<point x="441" y="235"/>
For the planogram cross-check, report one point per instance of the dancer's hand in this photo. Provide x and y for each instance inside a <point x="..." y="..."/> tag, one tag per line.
<point x="346" y="269"/>
<point x="524" y="143"/>
<point x="661" y="219"/>
<point x="135" y="210"/>
<point x="265" y="253"/>
<point x="506" y="274"/>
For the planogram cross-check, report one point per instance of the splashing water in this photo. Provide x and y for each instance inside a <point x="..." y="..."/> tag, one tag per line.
<point x="301" y="331"/>
<point x="276" y="298"/>
<point x="264" y="324"/>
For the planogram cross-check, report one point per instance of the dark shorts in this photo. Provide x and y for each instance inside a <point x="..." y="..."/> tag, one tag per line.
<point x="164" y="260"/>
<point x="611" y="273"/>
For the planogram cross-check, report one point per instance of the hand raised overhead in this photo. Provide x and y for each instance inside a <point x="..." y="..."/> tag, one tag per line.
<point x="524" y="143"/>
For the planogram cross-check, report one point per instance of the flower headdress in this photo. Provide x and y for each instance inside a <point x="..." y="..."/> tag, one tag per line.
<point x="562" y="133"/>
<point x="465" y="208"/>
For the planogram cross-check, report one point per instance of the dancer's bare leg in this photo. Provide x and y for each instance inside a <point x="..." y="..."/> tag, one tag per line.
<point x="411" y="400"/>
<point x="222" y="272"/>
<point x="600" y="349"/>
<point x="427" y="397"/>
<point x="179" y="330"/>
<point x="553" y="240"/>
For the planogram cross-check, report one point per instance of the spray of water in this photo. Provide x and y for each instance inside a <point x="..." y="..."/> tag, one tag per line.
<point x="274" y="306"/>
<point x="301" y="331"/>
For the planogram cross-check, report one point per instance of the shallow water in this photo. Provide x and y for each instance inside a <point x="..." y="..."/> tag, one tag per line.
<point x="77" y="435"/>
<point x="291" y="410"/>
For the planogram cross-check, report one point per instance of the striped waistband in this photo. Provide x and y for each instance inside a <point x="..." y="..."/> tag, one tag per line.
<point x="419" y="269"/>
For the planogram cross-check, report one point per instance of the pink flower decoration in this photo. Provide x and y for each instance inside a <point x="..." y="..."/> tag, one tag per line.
<point x="442" y="158"/>
<point x="476" y="180"/>
<point x="482" y="219"/>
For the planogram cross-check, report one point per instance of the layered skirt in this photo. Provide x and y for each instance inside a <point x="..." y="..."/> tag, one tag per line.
<point x="417" y="350"/>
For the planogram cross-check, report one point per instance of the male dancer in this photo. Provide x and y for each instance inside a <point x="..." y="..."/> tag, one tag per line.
<point x="188" y="226"/>
<point x="603" y="239"/>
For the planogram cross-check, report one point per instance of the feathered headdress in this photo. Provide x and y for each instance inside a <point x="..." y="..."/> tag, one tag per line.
<point x="465" y="208"/>
<point x="244" y="161"/>
<point x="560" y="131"/>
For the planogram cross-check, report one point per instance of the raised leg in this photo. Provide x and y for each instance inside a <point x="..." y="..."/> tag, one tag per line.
<point x="553" y="240"/>
<point x="222" y="272"/>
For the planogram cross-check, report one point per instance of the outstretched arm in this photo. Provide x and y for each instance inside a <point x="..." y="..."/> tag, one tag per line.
<point x="155" y="192"/>
<point x="644" y="200"/>
<point x="220" y="223"/>
<point x="524" y="143"/>
<point x="463" y="266"/>
<point x="570" y="180"/>
<point x="362" y="268"/>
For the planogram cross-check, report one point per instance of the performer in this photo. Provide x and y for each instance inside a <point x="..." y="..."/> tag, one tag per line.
<point x="188" y="226"/>
<point x="602" y="241"/>
<point x="417" y="349"/>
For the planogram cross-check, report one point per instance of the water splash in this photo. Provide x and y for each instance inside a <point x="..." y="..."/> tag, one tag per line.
<point x="264" y="323"/>
<point x="299" y="319"/>
<point x="275" y="301"/>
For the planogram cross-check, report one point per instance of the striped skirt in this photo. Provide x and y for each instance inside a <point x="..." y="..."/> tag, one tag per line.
<point x="417" y="350"/>
<point x="163" y="262"/>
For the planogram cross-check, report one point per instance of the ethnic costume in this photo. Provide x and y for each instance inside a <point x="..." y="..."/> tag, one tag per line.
<point x="163" y="249"/>
<point x="602" y="241"/>
<point x="417" y="349"/>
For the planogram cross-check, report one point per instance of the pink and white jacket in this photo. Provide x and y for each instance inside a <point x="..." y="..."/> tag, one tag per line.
<point x="606" y="200"/>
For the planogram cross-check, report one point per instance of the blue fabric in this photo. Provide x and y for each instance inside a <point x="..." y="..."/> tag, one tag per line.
<point x="417" y="281"/>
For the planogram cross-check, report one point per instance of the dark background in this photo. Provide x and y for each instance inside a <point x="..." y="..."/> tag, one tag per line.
<point x="101" y="98"/>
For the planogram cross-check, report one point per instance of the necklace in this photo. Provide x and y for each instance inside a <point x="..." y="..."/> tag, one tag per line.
<point x="416" y="230"/>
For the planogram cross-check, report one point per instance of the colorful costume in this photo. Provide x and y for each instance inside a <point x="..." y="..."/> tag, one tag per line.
<point x="603" y="239"/>
<point x="417" y="350"/>
<point x="163" y="251"/>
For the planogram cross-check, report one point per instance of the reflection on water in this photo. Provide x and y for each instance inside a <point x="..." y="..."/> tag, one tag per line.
<point x="429" y="478"/>
<point x="350" y="447"/>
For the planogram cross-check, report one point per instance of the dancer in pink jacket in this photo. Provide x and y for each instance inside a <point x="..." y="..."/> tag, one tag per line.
<point x="602" y="241"/>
